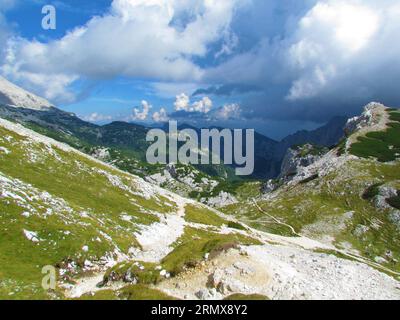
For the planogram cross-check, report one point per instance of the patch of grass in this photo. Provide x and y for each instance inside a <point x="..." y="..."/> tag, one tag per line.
<point x="382" y="145"/>
<point x="372" y="191"/>
<point x="235" y="225"/>
<point x="137" y="292"/>
<point x="144" y="273"/>
<point x="204" y="216"/>
<point x="191" y="248"/>
<point x="142" y="292"/>
<point x="244" y="297"/>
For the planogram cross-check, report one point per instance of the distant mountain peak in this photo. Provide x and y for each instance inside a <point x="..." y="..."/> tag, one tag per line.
<point x="14" y="96"/>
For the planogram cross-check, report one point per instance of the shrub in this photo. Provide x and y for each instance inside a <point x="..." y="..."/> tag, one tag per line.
<point x="371" y="192"/>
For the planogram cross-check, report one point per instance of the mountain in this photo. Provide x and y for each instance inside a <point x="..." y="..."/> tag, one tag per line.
<point x="119" y="143"/>
<point x="347" y="197"/>
<point x="108" y="234"/>
<point x="126" y="142"/>
<point x="15" y="96"/>
<point x="327" y="135"/>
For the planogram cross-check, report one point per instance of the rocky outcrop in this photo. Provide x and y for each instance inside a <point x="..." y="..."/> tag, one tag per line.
<point x="222" y="200"/>
<point x="366" y="119"/>
<point x="384" y="193"/>
<point x="296" y="159"/>
<point x="300" y="157"/>
<point x="270" y="186"/>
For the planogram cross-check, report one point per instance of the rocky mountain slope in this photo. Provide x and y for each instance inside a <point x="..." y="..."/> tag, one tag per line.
<point x="112" y="235"/>
<point x="15" y="96"/>
<point x="347" y="198"/>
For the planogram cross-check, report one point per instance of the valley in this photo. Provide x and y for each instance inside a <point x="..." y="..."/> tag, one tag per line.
<point x="326" y="228"/>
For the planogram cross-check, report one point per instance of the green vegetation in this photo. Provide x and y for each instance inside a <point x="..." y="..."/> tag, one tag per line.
<point x="382" y="145"/>
<point x="203" y="215"/>
<point x="70" y="202"/>
<point x="243" y="297"/>
<point x="310" y="149"/>
<point x="372" y="191"/>
<point x="191" y="248"/>
<point x="334" y="208"/>
<point x="144" y="273"/>
<point x="235" y="225"/>
<point x="133" y="292"/>
<point x="242" y="189"/>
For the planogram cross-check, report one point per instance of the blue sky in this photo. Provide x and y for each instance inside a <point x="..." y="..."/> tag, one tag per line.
<point x="277" y="66"/>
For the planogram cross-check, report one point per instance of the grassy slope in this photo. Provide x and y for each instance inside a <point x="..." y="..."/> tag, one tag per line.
<point x="384" y="145"/>
<point x="334" y="206"/>
<point x="71" y="204"/>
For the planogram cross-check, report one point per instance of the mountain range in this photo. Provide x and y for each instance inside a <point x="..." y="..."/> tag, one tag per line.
<point x="130" y="139"/>
<point x="330" y="229"/>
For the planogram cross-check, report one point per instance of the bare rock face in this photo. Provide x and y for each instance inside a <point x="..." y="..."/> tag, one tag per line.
<point x="222" y="200"/>
<point x="270" y="186"/>
<point x="395" y="218"/>
<point x="300" y="157"/>
<point x="296" y="159"/>
<point x="357" y="123"/>
<point x="385" y="193"/>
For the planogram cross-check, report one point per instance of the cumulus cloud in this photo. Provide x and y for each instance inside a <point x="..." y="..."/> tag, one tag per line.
<point x="182" y="103"/>
<point x="152" y="39"/>
<point x="292" y="59"/>
<point x="202" y="106"/>
<point x="161" y="116"/>
<point x="228" y="112"/>
<point x="142" y="115"/>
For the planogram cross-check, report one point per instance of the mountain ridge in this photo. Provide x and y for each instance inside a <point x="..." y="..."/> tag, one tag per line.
<point x="111" y="235"/>
<point x="269" y="152"/>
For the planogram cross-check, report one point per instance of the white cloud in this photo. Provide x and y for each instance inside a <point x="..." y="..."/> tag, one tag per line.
<point x="228" y="112"/>
<point x="330" y="36"/>
<point x="161" y="116"/>
<point x="202" y="106"/>
<point x="142" y="115"/>
<point x="96" y="117"/>
<point x="182" y="103"/>
<point x="136" y="38"/>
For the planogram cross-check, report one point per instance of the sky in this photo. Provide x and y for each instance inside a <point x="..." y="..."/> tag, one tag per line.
<point x="277" y="66"/>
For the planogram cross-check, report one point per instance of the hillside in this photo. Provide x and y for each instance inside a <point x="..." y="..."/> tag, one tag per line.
<point x="348" y="198"/>
<point x="111" y="235"/>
